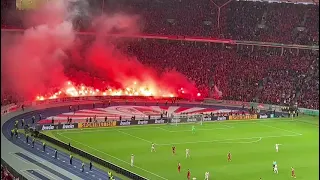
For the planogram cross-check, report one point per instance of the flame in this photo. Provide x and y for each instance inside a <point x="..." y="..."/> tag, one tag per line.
<point x="135" y="89"/>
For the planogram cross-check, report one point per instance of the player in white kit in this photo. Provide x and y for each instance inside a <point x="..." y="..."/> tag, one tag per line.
<point x="275" y="170"/>
<point x="187" y="153"/>
<point x="132" y="159"/>
<point x="277" y="147"/>
<point x="206" y="176"/>
<point x="153" y="149"/>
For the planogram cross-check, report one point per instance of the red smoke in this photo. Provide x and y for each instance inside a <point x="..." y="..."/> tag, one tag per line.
<point x="41" y="58"/>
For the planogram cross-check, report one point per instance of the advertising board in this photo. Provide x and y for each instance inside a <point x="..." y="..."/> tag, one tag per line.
<point x="219" y="118"/>
<point x="97" y="124"/>
<point x="243" y="117"/>
<point x="141" y="122"/>
<point x="46" y="127"/>
<point x="262" y="116"/>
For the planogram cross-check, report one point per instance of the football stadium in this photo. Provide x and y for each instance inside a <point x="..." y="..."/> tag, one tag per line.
<point x="159" y="90"/>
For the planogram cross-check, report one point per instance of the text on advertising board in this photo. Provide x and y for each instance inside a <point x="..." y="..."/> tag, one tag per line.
<point x="67" y="126"/>
<point x="49" y="127"/>
<point x="97" y="124"/>
<point x="263" y="116"/>
<point x="240" y="117"/>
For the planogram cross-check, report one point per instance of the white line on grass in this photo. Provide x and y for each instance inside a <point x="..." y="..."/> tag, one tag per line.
<point x="135" y="127"/>
<point x="229" y="127"/>
<point x="218" y="140"/>
<point x="134" y="136"/>
<point x="112" y="157"/>
<point x="244" y="142"/>
<point x="198" y="129"/>
<point x="164" y="129"/>
<point x="279" y="129"/>
<point x="103" y="129"/>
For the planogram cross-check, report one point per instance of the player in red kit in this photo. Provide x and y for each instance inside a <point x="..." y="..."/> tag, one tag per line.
<point x="292" y="173"/>
<point x="179" y="167"/>
<point x="229" y="156"/>
<point x="173" y="149"/>
<point x="188" y="175"/>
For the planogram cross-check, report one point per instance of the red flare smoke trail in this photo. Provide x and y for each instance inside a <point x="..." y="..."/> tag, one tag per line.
<point x="40" y="61"/>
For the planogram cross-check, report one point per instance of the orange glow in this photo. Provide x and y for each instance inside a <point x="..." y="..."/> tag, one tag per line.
<point x="135" y="89"/>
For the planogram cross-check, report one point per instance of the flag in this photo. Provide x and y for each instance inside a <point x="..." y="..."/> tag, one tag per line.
<point x="217" y="94"/>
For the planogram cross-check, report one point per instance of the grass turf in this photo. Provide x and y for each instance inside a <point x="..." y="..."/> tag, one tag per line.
<point x="251" y="143"/>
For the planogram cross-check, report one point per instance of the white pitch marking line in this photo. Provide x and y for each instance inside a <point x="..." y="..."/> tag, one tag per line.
<point x="210" y="129"/>
<point x="113" y="157"/>
<point x="195" y="142"/>
<point x="226" y="125"/>
<point x="164" y="129"/>
<point x="88" y="130"/>
<point x="134" y="136"/>
<point x="243" y="141"/>
<point x="279" y="129"/>
<point x="199" y="129"/>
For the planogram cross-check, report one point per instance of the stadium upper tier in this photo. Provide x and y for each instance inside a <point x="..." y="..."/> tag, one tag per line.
<point x="238" y="20"/>
<point x="240" y="74"/>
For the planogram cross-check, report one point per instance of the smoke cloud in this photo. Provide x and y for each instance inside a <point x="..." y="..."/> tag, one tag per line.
<point x="50" y="53"/>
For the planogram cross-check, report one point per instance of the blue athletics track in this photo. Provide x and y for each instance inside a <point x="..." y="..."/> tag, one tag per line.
<point x="63" y="158"/>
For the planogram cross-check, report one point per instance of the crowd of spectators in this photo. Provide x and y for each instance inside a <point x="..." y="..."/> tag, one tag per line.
<point x="243" y="73"/>
<point x="6" y="175"/>
<point x="238" y="20"/>
<point x="240" y="72"/>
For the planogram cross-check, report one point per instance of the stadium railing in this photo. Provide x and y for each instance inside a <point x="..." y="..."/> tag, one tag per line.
<point x="15" y="173"/>
<point x="93" y="158"/>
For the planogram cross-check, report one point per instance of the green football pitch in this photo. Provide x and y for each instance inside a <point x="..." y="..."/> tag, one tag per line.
<point x="251" y="143"/>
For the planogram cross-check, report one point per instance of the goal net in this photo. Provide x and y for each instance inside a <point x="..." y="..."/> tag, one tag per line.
<point x="175" y="119"/>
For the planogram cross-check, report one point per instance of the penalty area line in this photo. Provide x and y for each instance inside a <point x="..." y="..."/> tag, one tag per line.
<point x="249" y="142"/>
<point x="218" y="140"/>
<point x="279" y="129"/>
<point x="134" y="136"/>
<point x="97" y="150"/>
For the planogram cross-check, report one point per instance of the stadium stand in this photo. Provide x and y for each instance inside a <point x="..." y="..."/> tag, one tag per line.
<point x="239" y="20"/>
<point x="264" y="74"/>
